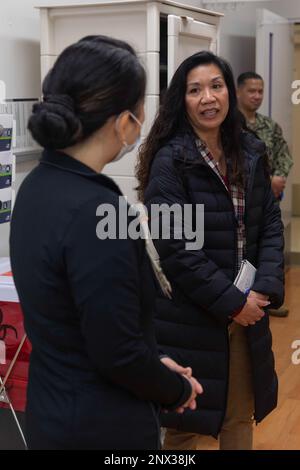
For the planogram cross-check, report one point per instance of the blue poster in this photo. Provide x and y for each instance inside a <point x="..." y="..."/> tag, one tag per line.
<point x="5" y="210"/>
<point x="6" y="168"/>
<point x="6" y="131"/>
<point x="5" y="176"/>
<point x="5" y="138"/>
<point x="5" y="205"/>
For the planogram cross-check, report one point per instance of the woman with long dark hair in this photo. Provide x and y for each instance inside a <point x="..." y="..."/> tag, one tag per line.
<point x="96" y="380"/>
<point x="199" y="153"/>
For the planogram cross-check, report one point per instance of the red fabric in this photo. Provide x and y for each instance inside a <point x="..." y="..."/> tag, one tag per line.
<point x="226" y="180"/>
<point x="12" y="332"/>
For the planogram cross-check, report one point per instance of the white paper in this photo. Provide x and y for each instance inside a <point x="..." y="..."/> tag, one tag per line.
<point x="246" y="276"/>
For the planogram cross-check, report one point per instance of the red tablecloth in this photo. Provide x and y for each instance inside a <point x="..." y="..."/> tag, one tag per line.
<point x="11" y="334"/>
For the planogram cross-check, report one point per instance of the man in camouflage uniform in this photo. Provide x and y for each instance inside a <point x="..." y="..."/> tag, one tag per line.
<point x="250" y="92"/>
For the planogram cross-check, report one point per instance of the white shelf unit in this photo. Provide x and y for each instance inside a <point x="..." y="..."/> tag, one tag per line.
<point x="162" y="32"/>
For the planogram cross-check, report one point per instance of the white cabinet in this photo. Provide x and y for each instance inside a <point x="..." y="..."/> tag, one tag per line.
<point x="162" y="32"/>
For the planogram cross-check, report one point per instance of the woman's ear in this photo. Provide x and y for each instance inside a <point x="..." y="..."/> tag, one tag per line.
<point x="122" y="127"/>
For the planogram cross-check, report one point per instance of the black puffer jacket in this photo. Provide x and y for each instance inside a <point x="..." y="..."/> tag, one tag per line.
<point x="95" y="379"/>
<point x="193" y="327"/>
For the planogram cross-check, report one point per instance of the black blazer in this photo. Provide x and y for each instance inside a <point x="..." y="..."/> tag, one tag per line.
<point x="192" y="327"/>
<point x="95" y="378"/>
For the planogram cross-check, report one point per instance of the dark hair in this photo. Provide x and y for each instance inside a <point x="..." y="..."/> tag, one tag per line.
<point x="247" y="76"/>
<point x="172" y="119"/>
<point x="92" y="80"/>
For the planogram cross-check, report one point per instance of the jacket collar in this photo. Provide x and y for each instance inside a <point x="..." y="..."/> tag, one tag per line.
<point x="185" y="148"/>
<point x="65" y="162"/>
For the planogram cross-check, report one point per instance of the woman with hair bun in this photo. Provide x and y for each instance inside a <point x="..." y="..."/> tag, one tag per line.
<point x="96" y="380"/>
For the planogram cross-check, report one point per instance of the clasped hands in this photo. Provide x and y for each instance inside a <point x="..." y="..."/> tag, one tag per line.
<point x="252" y="311"/>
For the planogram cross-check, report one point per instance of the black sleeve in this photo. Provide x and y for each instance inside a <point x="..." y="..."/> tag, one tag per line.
<point x="195" y="274"/>
<point x="104" y="278"/>
<point x="269" y="278"/>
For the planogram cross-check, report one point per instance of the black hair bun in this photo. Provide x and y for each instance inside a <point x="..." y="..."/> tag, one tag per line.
<point x="53" y="123"/>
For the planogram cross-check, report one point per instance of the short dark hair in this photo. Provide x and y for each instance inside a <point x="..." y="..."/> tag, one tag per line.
<point x="248" y="76"/>
<point x="172" y="119"/>
<point x="92" y="80"/>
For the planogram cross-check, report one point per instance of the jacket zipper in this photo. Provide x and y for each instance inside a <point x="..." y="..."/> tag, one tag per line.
<point x="250" y="185"/>
<point x="247" y="192"/>
<point x="229" y="197"/>
<point x="227" y="380"/>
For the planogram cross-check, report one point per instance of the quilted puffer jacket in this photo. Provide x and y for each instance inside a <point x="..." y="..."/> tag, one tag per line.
<point x="193" y="327"/>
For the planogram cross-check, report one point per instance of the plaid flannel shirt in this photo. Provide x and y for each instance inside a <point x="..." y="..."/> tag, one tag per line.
<point x="237" y="195"/>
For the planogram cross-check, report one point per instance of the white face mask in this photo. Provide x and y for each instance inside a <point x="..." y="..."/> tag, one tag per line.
<point x="126" y="147"/>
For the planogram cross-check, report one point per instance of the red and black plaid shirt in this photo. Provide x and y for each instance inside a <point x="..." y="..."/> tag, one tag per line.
<point x="237" y="194"/>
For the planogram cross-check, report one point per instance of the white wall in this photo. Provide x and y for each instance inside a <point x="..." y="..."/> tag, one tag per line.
<point x="238" y="28"/>
<point x="20" y="50"/>
<point x="238" y="31"/>
<point x="19" y="35"/>
<point x="19" y="69"/>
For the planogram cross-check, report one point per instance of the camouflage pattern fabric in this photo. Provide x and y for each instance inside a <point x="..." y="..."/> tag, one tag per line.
<point x="270" y="133"/>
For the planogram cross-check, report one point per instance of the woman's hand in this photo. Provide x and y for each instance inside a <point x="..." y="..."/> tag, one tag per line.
<point x="258" y="295"/>
<point x="196" y="390"/>
<point x="187" y="373"/>
<point x="171" y="364"/>
<point x="252" y="311"/>
<point x="278" y="184"/>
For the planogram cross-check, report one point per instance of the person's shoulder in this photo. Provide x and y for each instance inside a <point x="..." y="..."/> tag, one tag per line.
<point x="97" y="187"/>
<point x="165" y="155"/>
<point x="182" y="147"/>
<point x="266" y="121"/>
<point x="79" y="196"/>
